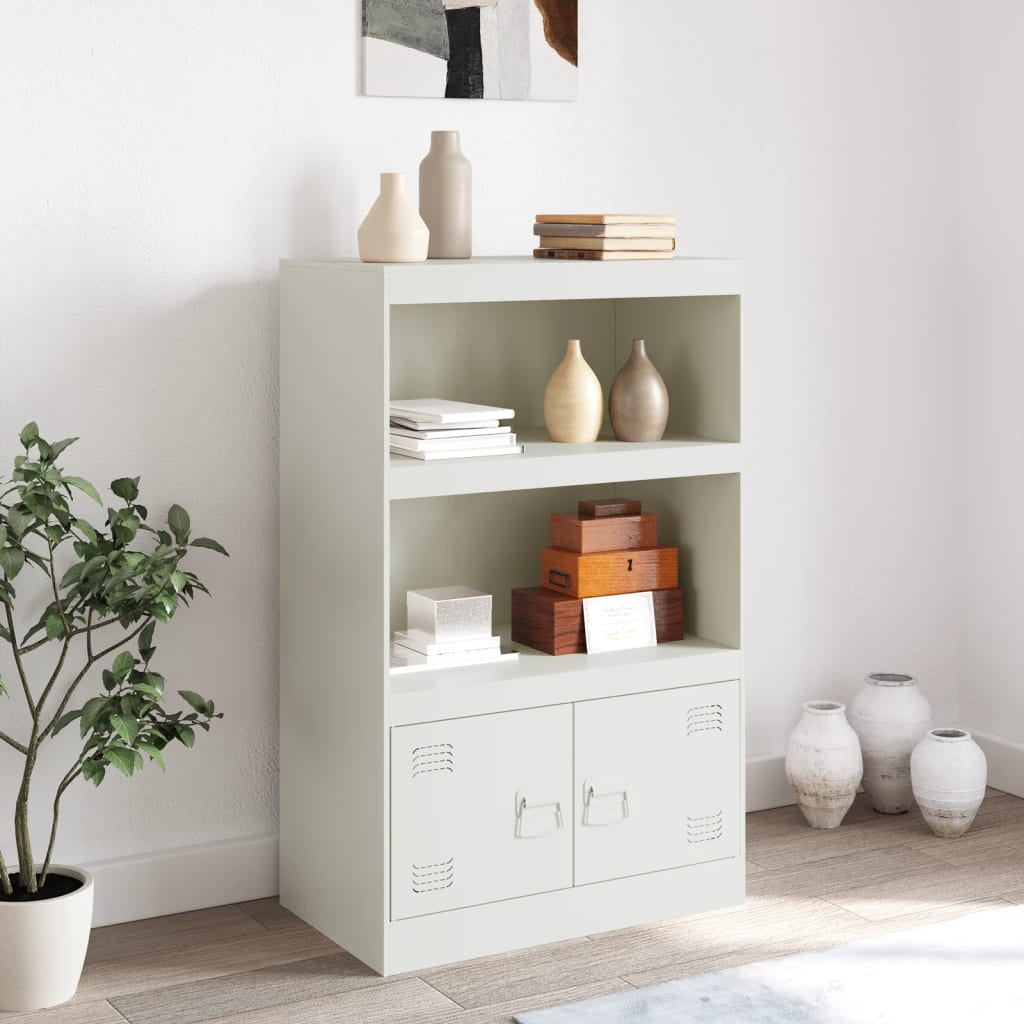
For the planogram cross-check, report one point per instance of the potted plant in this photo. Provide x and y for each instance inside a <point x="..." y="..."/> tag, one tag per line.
<point x="105" y="587"/>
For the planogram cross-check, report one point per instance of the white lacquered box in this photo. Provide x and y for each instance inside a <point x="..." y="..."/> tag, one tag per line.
<point x="449" y="613"/>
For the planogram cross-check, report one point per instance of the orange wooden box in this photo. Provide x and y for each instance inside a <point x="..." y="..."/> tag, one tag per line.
<point x="584" y="534"/>
<point x="609" y="572"/>
<point x="553" y="623"/>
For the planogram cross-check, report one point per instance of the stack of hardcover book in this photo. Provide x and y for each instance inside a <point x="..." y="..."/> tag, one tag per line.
<point x="609" y="547"/>
<point x="446" y="626"/>
<point x="435" y="428"/>
<point x="605" y="236"/>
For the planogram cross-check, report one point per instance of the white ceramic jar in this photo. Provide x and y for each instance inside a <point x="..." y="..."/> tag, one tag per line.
<point x="43" y="945"/>
<point x="823" y="763"/>
<point x="890" y="715"/>
<point x="949" y="772"/>
<point x="393" y="231"/>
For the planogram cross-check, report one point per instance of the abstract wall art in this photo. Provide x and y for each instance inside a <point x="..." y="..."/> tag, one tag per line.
<point x="470" y="49"/>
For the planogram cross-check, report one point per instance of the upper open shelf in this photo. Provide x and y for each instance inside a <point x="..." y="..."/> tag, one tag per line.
<point x="524" y="279"/>
<point x="548" y="464"/>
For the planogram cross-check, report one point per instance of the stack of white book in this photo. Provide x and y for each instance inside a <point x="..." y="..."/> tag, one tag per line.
<point x="447" y="626"/>
<point x="435" y="428"/>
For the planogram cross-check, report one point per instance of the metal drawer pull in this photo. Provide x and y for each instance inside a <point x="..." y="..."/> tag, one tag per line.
<point x="595" y="791"/>
<point x="530" y="805"/>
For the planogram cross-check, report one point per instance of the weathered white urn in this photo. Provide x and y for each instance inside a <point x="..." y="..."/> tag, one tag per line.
<point x="823" y="763"/>
<point x="949" y="771"/>
<point x="890" y="715"/>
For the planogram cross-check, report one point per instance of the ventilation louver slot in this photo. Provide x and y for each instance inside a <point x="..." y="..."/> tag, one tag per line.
<point x="705" y="718"/>
<point x="705" y="829"/>
<point x="433" y="877"/>
<point x="438" y="757"/>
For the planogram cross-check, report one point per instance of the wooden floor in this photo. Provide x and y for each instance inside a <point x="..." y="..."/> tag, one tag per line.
<point x="255" y="963"/>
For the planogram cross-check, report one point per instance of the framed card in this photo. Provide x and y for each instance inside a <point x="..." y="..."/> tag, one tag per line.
<point x="620" y="622"/>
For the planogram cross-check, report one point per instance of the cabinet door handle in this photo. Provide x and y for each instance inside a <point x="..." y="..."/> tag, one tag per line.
<point x="594" y="791"/>
<point x="527" y="805"/>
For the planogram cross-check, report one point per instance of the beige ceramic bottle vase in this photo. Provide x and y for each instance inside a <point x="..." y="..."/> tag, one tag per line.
<point x="638" y="401"/>
<point x="393" y="231"/>
<point x="573" y="400"/>
<point x="446" y="198"/>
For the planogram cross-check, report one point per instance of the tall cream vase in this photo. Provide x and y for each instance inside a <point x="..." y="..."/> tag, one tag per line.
<point x="446" y="198"/>
<point x="573" y="400"/>
<point x="393" y="231"/>
<point x="43" y="945"/>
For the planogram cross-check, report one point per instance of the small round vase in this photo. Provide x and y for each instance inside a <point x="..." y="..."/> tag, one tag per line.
<point x="446" y="198"/>
<point x="393" y="231"/>
<point x="823" y="763"/>
<point x="573" y="400"/>
<point x="638" y="400"/>
<point x="949" y="771"/>
<point x="890" y="715"/>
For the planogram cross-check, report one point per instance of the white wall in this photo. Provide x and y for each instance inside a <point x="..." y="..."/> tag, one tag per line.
<point x="992" y="443"/>
<point x="159" y="158"/>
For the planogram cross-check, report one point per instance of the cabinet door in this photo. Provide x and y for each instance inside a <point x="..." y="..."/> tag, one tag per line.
<point x="657" y="781"/>
<point x="480" y="809"/>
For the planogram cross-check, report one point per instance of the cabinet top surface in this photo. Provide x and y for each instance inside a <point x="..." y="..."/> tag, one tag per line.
<point x="511" y="278"/>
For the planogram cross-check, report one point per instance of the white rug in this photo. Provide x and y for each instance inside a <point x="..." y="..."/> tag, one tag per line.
<point x="968" y="971"/>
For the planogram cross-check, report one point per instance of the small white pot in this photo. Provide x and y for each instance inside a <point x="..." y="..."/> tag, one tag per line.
<point x="890" y="715"/>
<point x="949" y="771"/>
<point x="43" y="945"/>
<point x="823" y="763"/>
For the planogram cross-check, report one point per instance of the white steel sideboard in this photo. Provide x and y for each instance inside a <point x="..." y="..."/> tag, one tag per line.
<point x="442" y="815"/>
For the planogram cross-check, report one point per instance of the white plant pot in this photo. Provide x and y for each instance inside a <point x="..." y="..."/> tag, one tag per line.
<point x="890" y="715"/>
<point x="949" y="771"/>
<point x="823" y="763"/>
<point x="43" y="945"/>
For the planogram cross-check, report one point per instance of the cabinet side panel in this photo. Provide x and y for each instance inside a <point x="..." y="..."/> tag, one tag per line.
<point x="333" y="605"/>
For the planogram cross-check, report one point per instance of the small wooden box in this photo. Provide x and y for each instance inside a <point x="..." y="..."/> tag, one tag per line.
<point x="601" y="507"/>
<point x="584" y="534"/>
<point x="609" y="572"/>
<point x="553" y="623"/>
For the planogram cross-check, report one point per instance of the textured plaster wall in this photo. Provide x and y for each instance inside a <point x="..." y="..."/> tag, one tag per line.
<point x="159" y="158"/>
<point x="992" y="452"/>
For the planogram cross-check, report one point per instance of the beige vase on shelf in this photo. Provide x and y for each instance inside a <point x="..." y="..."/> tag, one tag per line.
<point x="393" y="231"/>
<point x="638" y="401"/>
<point x="573" y="400"/>
<point x="446" y="198"/>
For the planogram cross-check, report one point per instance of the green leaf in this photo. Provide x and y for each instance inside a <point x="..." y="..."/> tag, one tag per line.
<point x="154" y="754"/>
<point x="11" y="561"/>
<point x="178" y="580"/>
<point x="85" y="487"/>
<point x="61" y="445"/>
<point x="19" y="522"/>
<point x="146" y="647"/>
<point x="126" y="487"/>
<point x="87" y="529"/>
<point x="122" y="759"/>
<point x="72" y="576"/>
<point x="64" y="720"/>
<point x="54" y="627"/>
<point x="187" y="735"/>
<point x="125" y="727"/>
<point x="29" y="434"/>
<point x="93" y="771"/>
<point x="179" y="522"/>
<point x="93" y="711"/>
<point x="195" y="701"/>
<point x="5" y="634"/>
<point x="209" y="542"/>
<point x="123" y="664"/>
<point x="54" y="534"/>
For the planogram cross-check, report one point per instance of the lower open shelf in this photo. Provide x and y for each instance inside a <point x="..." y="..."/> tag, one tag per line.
<point x="539" y="679"/>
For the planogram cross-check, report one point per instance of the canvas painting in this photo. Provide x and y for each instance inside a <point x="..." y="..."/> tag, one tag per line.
<point x="470" y="49"/>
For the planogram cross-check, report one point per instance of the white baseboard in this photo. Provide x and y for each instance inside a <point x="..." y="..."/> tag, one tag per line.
<point x="766" y="783"/>
<point x="191" y="878"/>
<point x="1005" y="761"/>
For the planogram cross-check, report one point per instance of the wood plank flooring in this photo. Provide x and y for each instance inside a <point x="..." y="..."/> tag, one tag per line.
<point x="254" y="963"/>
